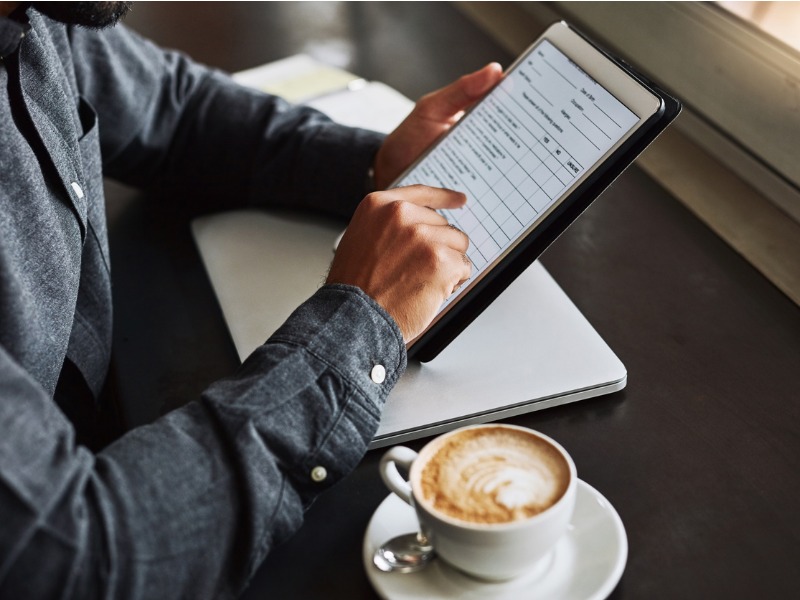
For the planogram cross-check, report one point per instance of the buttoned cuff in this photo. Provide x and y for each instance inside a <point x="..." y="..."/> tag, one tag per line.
<point x="353" y="334"/>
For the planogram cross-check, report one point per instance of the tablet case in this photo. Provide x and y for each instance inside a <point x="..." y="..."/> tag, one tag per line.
<point x="444" y="331"/>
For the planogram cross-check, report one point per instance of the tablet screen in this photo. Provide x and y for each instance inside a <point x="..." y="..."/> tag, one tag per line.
<point x="521" y="150"/>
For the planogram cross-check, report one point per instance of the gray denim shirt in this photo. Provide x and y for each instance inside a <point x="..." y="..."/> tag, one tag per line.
<point x="188" y="506"/>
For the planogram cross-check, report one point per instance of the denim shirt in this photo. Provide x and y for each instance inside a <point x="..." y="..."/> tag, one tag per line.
<point x="189" y="505"/>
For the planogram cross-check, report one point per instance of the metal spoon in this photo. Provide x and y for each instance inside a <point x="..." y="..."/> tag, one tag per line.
<point x="404" y="554"/>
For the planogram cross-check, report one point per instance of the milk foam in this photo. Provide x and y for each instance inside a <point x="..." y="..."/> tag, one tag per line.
<point x="494" y="475"/>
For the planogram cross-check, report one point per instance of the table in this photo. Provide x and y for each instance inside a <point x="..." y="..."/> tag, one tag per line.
<point x="700" y="454"/>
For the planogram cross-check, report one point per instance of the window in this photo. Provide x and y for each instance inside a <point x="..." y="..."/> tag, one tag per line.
<point x="781" y="20"/>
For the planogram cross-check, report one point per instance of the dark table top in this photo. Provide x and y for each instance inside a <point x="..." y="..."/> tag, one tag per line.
<point x="699" y="454"/>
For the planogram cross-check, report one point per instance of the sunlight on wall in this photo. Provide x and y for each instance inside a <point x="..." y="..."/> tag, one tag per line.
<point x="779" y="19"/>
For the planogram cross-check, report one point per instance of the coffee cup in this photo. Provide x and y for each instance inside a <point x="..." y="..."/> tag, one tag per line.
<point x="492" y="499"/>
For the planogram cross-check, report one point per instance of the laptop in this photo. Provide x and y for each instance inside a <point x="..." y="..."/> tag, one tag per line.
<point x="530" y="349"/>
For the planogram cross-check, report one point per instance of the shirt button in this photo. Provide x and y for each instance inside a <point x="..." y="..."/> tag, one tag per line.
<point x="77" y="189"/>
<point x="319" y="474"/>
<point x="378" y="374"/>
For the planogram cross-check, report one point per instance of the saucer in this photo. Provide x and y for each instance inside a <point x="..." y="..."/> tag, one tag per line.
<point x="586" y="563"/>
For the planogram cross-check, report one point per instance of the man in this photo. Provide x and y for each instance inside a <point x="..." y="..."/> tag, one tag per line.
<point x="190" y="505"/>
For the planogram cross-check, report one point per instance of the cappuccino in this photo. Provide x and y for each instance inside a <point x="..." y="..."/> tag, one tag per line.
<point x="493" y="475"/>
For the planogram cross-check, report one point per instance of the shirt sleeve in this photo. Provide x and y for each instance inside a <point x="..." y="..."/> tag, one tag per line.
<point x="191" y="504"/>
<point x="170" y="124"/>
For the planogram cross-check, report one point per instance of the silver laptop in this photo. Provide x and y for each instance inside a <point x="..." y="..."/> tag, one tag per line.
<point x="531" y="349"/>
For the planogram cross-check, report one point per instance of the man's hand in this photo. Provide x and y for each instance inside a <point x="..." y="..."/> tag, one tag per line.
<point x="397" y="249"/>
<point x="433" y="114"/>
<point x="404" y="254"/>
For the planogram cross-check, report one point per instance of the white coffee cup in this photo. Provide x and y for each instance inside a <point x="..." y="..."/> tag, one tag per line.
<point x="496" y="550"/>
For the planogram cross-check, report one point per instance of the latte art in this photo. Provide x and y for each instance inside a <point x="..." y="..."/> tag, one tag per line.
<point x="494" y="475"/>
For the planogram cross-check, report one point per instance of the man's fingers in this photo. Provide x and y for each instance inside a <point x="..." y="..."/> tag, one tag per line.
<point x="456" y="239"/>
<point x="434" y="198"/>
<point x="417" y="204"/>
<point x="450" y="100"/>
<point x="447" y="235"/>
<point x="460" y="269"/>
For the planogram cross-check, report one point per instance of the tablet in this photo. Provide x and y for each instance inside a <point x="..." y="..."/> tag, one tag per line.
<point x="566" y="119"/>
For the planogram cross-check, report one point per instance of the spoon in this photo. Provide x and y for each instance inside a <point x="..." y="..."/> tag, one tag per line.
<point x="404" y="554"/>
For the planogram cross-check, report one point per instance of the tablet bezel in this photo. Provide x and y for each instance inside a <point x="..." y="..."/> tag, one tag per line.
<point x="654" y="109"/>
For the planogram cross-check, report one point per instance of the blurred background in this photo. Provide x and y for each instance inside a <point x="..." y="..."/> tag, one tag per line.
<point x="412" y="46"/>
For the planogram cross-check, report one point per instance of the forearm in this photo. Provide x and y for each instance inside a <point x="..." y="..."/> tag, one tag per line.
<point x="242" y="148"/>
<point x="170" y="124"/>
<point x="190" y="505"/>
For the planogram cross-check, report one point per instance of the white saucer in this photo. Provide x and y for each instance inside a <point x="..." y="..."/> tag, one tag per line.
<point x="585" y="564"/>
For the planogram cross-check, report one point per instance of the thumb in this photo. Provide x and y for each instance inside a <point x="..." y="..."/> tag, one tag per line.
<point x="447" y="102"/>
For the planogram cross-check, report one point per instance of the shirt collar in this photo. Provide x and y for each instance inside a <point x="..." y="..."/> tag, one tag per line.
<point x="12" y="30"/>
